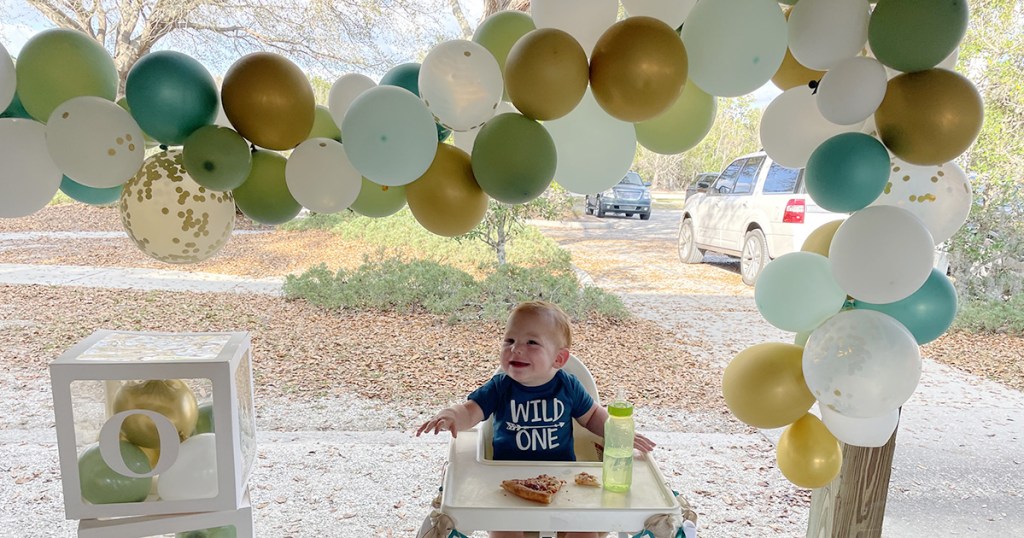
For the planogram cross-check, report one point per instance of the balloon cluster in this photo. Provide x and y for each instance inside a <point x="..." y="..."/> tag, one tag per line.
<point x="564" y="93"/>
<point x="876" y="130"/>
<point x="193" y="472"/>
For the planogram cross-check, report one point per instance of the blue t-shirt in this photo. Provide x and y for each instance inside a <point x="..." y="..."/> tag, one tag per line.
<point x="533" y="423"/>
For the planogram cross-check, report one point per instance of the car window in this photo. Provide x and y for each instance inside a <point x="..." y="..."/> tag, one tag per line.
<point x="726" y="181"/>
<point x="781" y="179"/>
<point x="632" y="178"/>
<point x="745" y="180"/>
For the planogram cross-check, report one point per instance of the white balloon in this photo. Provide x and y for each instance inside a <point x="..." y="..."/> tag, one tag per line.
<point x="461" y="84"/>
<point x="585" y="20"/>
<point x="671" y="12"/>
<point x="30" y="178"/>
<point x="734" y="47"/>
<point x="823" y="33"/>
<point x="344" y="91"/>
<point x="850" y="92"/>
<point x="194" y="473"/>
<point x="866" y="432"/>
<point x="882" y="254"/>
<point x="862" y="364"/>
<point x="8" y="80"/>
<point x="320" y="176"/>
<point x="464" y="140"/>
<point x="594" y="149"/>
<point x="938" y="195"/>
<point x="171" y="217"/>
<point x="792" y="127"/>
<point x="95" y="142"/>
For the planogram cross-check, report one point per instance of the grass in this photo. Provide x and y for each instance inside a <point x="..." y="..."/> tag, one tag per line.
<point x="992" y="316"/>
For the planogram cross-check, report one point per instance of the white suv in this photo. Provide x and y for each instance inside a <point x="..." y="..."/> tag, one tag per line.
<point x="756" y="209"/>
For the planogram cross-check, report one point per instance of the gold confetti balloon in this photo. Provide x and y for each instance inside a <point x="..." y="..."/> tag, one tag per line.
<point x="171" y="217"/>
<point x="939" y="195"/>
<point x="170" y="397"/>
<point x="95" y="142"/>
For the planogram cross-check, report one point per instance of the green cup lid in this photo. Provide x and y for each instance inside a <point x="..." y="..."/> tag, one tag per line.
<point x="620" y="409"/>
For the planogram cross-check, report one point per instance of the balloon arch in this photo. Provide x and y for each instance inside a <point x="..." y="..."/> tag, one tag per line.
<point x="564" y="94"/>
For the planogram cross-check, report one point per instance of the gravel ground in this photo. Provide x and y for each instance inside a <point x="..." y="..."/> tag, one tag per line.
<point x="336" y="400"/>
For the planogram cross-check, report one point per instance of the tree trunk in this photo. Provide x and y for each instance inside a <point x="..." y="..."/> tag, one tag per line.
<point x="494" y="6"/>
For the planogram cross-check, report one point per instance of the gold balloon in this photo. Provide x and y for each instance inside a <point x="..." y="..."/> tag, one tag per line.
<point x="170" y="397"/>
<point x="446" y="199"/>
<point x="638" y="69"/>
<point x="269" y="100"/>
<point x="820" y="240"/>
<point x="764" y="385"/>
<point x="808" y="454"/>
<point x="546" y="74"/>
<point x="792" y="73"/>
<point x="929" y="117"/>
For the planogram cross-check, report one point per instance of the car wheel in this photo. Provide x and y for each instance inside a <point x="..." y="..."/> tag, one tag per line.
<point x="587" y="209"/>
<point x="600" y="211"/>
<point x="645" y="216"/>
<point x="688" y="251"/>
<point x="753" y="257"/>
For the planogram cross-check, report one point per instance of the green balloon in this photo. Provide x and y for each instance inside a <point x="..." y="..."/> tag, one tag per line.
<point x="682" y="126"/>
<point x="847" y="172"/>
<point x="500" y="31"/>
<point x="323" y="125"/>
<point x="407" y="76"/>
<point x="227" y="531"/>
<point x="914" y="35"/>
<point x="205" y="422"/>
<point x="171" y="95"/>
<point x="378" y="200"/>
<point x="150" y="142"/>
<point x="15" y="109"/>
<point x="56" y="65"/>
<point x="90" y="195"/>
<point x="217" y="158"/>
<point x="264" y="196"/>
<point x="102" y="485"/>
<point x="513" y="158"/>
<point x="927" y="312"/>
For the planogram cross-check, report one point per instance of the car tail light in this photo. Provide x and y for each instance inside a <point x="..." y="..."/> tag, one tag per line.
<point x="795" y="209"/>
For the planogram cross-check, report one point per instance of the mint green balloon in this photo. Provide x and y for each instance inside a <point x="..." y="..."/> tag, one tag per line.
<point x="927" y="312"/>
<point x="796" y="292"/>
<point x="323" y="125"/>
<point x="56" y="65"/>
<point x="217" y="158"/>
<point x="914" y="35"/>
<point x="204" y="424"/>
<point x="227" y="531"/>
<point x="847" y="172"/>
<point x="15" y="109"/>
<point x="264" y="196"/>
<point x="102" y="485"/>
<point x="682" y="126"/>
<point x="513" y="158"/>
<point x="378" y="200"/>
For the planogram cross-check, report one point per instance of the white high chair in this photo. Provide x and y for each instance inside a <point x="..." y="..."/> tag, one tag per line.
<point x="584" y="441"/>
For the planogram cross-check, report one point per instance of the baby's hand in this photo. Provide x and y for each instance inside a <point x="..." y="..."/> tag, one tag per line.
<point x="643" y="444"/>
<point x="445" y="420"/>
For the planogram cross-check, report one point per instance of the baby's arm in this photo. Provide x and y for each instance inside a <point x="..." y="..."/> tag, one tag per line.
<point x="594" y="419"/>
<point x="454" y="419"/>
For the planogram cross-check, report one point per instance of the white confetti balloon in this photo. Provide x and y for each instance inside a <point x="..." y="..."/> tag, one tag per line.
<point x="95" y="142"/>
<point x="29" y="178"/>
<point x="938" y="195"/>
<point x="171" y="217"/>
<point x="461" y="84"/>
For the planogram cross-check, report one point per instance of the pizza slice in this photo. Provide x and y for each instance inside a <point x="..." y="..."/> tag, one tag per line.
<point x="587" y="479"/>
<point x="539" y="489"/>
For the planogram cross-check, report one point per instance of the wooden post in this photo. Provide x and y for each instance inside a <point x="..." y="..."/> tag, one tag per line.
<point x="853" y="505"/>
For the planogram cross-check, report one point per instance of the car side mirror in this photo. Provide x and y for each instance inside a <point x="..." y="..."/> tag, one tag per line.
<point x="647" y="183"/>
<point x="703" y="185"/>
<point x="724" y="189"/>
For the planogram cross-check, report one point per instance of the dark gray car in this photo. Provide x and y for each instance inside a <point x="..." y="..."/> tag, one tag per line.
<point x="630" y="196"/>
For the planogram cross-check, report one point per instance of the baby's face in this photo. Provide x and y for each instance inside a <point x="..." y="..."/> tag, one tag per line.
<point x="531" y="351"/>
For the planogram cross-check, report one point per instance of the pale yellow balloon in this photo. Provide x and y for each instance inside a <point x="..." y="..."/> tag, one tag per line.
<point x="764" y="385"/>
<point x="792" y="73"/>
<point x="820" y="239"/>
<point x="808" y="454"/>
<point x="169" y="397"/>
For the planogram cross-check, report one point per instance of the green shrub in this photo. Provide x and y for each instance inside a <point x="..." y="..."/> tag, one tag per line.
<point x="993" y="316"/>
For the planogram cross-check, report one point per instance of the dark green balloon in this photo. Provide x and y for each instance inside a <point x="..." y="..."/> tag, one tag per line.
<point x="407" y="76"/>
<point x="15" y="109"/>
<point x="914" y="35"/>
<point x="205" y="422"/>
<point x="56" y="65"/>
<point x="170" y="96"/>
<point x="513" y="158"/>
<point x="90" y="195"/>
<point x="217" y="158"/>
<point x="847" y="172"/>
<point x="227" y="531"/>
<point x="102" y="485"/>
<point x="378" y="200"/>
<point x="927" y="312"/>
<point x="264" y="196"/>
<point x="323" y="125"/>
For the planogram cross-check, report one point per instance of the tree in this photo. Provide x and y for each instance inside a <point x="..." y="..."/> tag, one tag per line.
<point x="322" y="35"/>
<point x="503" y="222"/>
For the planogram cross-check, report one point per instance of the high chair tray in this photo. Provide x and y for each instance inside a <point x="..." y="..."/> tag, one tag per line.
<point x="473" y="497"/>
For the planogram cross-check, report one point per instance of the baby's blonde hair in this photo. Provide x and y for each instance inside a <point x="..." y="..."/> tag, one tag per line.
<point x="563" y="327"/>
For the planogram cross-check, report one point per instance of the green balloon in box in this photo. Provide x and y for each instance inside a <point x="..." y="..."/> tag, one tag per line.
<point x="227" y="531"/>
<point x="102" y="485"/>
<point x="205" y="422"/>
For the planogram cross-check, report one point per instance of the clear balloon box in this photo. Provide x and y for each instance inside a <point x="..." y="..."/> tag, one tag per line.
<point x="235" y="523"/>
<point x="154" y="423"/>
